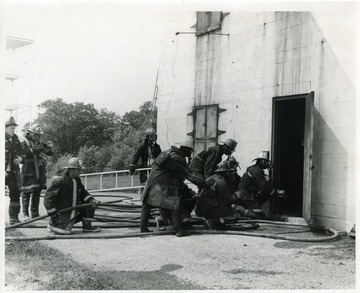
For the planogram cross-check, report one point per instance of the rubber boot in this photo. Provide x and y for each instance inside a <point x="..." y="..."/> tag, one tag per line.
<point x="145" y="216"/>
<point x="34" y="206"/>
<point x="178" y="225"/>
<point x="14" y="209"/>
<point x="86" y="222"/>
<point x="25" y="200"/>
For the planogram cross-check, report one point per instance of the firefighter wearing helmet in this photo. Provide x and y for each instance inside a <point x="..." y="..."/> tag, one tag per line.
<point x="256" y="187"/>
<point x="217" y="200"/>
<point x="14" y="155"/>
<point x="162" y="187"/>
<point x="66" y="192"/>
<point x="34" y="170"/>
<point x="146" y="153"/>
<point x="205" y="163"/>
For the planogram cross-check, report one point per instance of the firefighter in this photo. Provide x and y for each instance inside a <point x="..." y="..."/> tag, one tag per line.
<point x="237" y="178"/>
<point x="256" y="187"/>
<point x="205" y="163"/>
<point x="187" y="204"/>
<point x="217" y="201"/>
<point x="68" y="191"/>
<point x="14" y="155"/>
<point x="34" y="170"/>
<point x="162" y="187"/>
<point x="147" y="152"/>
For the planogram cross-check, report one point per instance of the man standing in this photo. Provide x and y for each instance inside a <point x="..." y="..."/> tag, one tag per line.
<point x="147" y="152"/>
<point x="65" y="192"/>
<point x="205" y="163"/>
<point x="34" y="170"/>
<point x="13" y="157"/>
<point x="162" y="187"/>
<point x="255" y="187"/>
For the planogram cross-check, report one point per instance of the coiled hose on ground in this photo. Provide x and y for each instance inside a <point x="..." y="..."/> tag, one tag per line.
<point x="237" y="228"/>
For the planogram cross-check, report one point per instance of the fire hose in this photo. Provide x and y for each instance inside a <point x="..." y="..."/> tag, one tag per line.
<point x="131" y="208"/>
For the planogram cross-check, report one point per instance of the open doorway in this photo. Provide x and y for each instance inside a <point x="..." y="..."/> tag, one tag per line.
<point x="288" y="153"/>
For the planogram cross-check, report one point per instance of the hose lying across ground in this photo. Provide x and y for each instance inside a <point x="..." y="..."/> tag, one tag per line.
<point x="238" y="227"/>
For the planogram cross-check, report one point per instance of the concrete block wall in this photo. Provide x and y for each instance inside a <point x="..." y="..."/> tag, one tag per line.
<point x="267" y="54"/>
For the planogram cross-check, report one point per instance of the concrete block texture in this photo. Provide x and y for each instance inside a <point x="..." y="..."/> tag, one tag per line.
<point x="267" y="55"/>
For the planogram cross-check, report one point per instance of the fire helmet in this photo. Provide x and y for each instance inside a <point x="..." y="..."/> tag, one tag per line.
<point x="263" y="155"/>
<point x="74" y="163"/>
<point x="224" y="167"/>
<point x="188" y="142"/>
<point x="231" y="144"/>
<point x="150" y="131"/>
<point x="10" y="122"/>
<point x="34" y="129"/>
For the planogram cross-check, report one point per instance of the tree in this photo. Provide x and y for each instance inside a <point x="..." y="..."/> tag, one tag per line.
<point x="74" y="125"/>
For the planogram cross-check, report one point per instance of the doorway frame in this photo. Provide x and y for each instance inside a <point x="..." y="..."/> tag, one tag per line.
<point x="308" y="135"/>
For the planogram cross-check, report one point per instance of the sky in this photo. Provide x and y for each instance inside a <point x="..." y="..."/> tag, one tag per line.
<point x="101" y="52"/>
<point x="107" y="52"/>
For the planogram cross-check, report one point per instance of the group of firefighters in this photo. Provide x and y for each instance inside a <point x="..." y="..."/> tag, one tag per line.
<point x="222" y="194"/>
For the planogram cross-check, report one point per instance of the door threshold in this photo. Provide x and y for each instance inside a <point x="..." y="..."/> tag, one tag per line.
<point x="294" y="220"/>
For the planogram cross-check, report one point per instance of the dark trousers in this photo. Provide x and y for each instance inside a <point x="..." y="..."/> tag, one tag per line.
<point x="11" y="182"/>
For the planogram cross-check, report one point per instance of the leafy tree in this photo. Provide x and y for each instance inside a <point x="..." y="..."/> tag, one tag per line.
<point x="72" y="126"/>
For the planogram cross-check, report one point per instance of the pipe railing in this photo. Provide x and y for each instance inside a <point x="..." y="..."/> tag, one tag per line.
<point x="116" y="187"/>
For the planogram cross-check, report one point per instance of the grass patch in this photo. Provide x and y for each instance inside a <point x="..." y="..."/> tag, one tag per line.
<point x="31" y="265"/>
<point x="34" y="266"/>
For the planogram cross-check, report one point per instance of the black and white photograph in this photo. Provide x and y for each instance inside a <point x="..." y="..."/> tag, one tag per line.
<point x="179" y="145"/>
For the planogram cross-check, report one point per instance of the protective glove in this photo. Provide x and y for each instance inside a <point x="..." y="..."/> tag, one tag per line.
<point x="281" y="194"/>
<point x="95" y="203"/>
<point x="17" y="160"/>
<point x="132" y="170"/>
<point x="238" y="194"/>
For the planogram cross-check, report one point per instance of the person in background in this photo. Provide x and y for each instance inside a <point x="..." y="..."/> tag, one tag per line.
<point x="34" y="170"/>
<point x="162" y="187"/>
<point x="14" y="155"/>
<point x="147" y="152"/>
<point x="68" y="191"/>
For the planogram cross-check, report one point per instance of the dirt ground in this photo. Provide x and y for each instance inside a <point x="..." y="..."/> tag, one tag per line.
<point x="214" y="261"/>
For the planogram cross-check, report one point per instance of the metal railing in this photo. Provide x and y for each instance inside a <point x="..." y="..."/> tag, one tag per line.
<point x="117" y="185"/>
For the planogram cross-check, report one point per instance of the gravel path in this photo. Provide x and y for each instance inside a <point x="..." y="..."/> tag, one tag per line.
<point x="216" y="261"/>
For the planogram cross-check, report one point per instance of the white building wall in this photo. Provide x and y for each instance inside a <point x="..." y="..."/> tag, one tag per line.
<point x="267" y="54"/>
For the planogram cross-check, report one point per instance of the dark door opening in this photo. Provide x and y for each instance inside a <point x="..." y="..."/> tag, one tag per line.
<point x="288" y="154"/>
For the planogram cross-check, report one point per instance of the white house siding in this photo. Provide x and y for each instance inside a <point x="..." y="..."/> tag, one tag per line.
<point x="267" y="54"/>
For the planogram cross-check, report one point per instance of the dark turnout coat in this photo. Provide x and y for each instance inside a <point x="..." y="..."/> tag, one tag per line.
<point x="205" y="162"/>
<point x="34" y="165"/>
<point x="65" y="192"/>
<point x="254" y="186"/>
<point x="216" y="199"/>
<point x="13" y="149"/>
<point x="144" y="152"/>
<point x="162" y="186"/>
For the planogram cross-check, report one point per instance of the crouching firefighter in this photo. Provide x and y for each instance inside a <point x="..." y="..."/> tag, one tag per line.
<point x="256" y="187"/>
<point x="217" y="201"/>
<point x="65" y="192"/>
<point x="162" y="188"/>
<point x="34" y="170"/>
<point x="187" y="204"/>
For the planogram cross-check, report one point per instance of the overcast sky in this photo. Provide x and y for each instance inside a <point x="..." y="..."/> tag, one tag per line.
<point x="101" y="52"/>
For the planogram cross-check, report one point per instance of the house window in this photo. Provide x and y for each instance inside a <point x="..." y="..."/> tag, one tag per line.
<point x="207" y="21"/>
<point x="205" y="127"/>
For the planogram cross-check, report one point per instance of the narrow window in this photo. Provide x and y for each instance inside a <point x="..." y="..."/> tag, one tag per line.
<point x="205" y="127"/>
